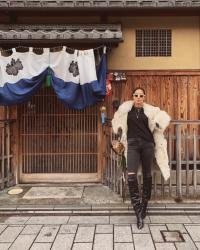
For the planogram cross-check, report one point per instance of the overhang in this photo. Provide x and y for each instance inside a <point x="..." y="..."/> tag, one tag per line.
<point x="95" y="33"/>
<point x="99" y="3"/>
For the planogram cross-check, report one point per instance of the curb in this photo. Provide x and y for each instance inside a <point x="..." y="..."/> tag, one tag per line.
<point x="156" y="209"/>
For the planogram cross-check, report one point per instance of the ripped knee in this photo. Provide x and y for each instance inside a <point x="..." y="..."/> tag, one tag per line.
<point x="131" y="175"/>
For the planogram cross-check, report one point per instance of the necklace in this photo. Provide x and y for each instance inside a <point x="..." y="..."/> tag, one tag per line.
<point x="137" y="112"/>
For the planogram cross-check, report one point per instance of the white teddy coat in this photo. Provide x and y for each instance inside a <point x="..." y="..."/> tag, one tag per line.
<point x="155" y="115"/>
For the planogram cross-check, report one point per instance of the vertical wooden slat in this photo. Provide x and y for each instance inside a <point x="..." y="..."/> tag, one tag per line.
<point x="170" y="160"/>
<point x="8" y="147"/>
<point x="31" y="140"/>
<point x="194" y="162"/>
<point x="51" y="131"/>
<point x="187" y="162"/>
<point x="69" y="143"/>
<point x="178" y="163"/>
<point x="2" y="157"/>
<point x="27" y="124"/>
<point x="62" y="140"/>
<point x="85" y="142"/>
<point x="35" y="131"/>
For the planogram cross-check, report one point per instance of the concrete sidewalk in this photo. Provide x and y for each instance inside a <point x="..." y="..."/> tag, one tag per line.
<point x="99" y="232"/>
<point x="59" y="194"/>
<point x="81" y="199"/>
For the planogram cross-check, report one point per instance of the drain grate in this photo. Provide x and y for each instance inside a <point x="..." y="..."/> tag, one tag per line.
<point x="172" y="236"/>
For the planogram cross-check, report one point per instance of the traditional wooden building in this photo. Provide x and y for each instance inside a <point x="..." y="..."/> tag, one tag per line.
<point x="154" y="44"/>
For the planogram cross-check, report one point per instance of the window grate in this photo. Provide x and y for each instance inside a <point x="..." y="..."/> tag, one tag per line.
<point x="153" y="42"/>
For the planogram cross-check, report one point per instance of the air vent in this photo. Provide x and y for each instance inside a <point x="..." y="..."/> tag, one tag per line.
<point x="153" y="42"/>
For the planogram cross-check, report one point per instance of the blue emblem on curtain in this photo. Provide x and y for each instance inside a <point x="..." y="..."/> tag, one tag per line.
<point x="74" y="77"/>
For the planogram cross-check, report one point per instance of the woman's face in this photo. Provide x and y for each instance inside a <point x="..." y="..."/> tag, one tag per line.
<point x="138" y="97"/>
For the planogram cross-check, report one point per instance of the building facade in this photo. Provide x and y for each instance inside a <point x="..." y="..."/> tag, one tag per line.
<point x="153" y="44"/>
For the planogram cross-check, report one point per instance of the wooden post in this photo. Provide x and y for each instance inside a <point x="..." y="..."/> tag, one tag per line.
<point x="187" y="162"/>
<point x="195" y="162"/>
<point x="2" y="157"/>
<point x="178" y="163"/>
<point x="7" y="134"/>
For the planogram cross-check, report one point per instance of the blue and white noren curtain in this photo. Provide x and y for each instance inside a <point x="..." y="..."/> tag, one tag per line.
<point x="74" y="77"/>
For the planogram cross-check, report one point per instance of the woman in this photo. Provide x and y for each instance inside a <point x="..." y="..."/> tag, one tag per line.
<point x="142" y="128"/>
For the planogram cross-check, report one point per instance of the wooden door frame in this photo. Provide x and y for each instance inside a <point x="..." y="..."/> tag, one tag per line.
<point x="60" y="177"/>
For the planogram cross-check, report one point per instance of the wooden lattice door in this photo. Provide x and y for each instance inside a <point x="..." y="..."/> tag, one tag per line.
<point x="56" y="143"/>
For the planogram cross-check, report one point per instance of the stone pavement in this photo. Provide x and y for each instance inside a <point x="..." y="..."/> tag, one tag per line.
<point x="92" y="217"/>
<point x="103" y="232"/>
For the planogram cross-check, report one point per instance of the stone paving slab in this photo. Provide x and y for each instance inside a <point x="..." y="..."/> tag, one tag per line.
<point x="107" y="229"/>
<point x="2" y="227"/>
<point x="54" y="192"/>
<point x="100" y="195"/>
<point x="141" y="241"/>
<point x="68" y="229"/>
<point x="122" y="234"/>
<point x="99" y="233"/>
<point x="85" y="234"/>
<point x="197" y="245"/>
<point x="48" y="220"/>
<point x="41" y="246"/>
<point x="47" y="234"/>
<point x="194" y="218"/>
<point x="23" y="242"/>
<point x="82" y="246"/>
<point x="10" y="234"/>
<point x="156" y="233"/>
<point x="4" y="246"/>
<point x="103" y="242"/>
<point x="115" y="219"/>
<point x="145" y="229"/>
<point x="194" y="232"/>
<point x="89" y="219"/>
<point x="165" y="246"/>
<point x="178" y="227"/>
<point x="124" y="246"/>
<point x="15" y="220"/>
<point x="31" y="229"/>
<point x="63" y="242"/>
<point x="171" y="219"/>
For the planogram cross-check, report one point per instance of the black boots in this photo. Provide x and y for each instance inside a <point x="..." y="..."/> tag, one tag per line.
<point x="135" y="198"/>
<point x="146" y="195"/>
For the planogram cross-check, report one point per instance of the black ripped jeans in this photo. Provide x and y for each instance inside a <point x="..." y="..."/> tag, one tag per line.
<point x="140" y="151"/>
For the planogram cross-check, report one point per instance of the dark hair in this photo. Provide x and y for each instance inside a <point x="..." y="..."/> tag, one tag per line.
<point x="140" y="89"/>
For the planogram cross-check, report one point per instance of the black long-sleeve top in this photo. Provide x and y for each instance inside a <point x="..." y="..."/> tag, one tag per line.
<point x="138" y="125"/>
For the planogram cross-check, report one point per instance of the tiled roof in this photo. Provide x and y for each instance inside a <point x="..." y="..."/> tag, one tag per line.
<point x="97" y="3"/>
<point x="65" y="32"/>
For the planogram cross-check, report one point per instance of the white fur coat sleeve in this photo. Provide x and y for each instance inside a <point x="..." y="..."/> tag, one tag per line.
<point x="120" y="117"/>
<point x="163" y="120"/>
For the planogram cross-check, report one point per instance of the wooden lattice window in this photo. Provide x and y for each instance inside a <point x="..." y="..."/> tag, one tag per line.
<point x="153" y="42"/>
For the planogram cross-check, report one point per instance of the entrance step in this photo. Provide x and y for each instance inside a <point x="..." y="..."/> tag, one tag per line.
<point x="106" y="209"/>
